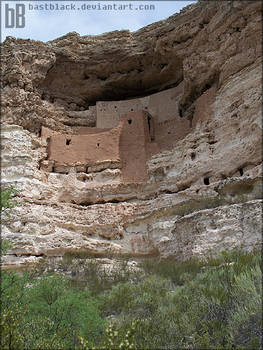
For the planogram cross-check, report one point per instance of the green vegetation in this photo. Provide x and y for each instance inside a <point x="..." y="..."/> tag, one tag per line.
<point x="46" y="312"/>
<point x="215" y="304"/>
<point x="200" y="305"/>
<point x="218" y="306"/>
<point x="7" y="201"/>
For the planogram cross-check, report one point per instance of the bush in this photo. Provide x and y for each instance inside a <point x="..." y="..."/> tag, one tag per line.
<point x="46" y="311"/>
<point x="90" y="273"/>
<point x="245" y="322"/>
<point x="217" y="306"/>
<point x="7" y="201"/>
<point x="199" y="305"/>
<point x="176" y="271"/>
<point x="113" y="339"/>
<point x="140" y="299"/>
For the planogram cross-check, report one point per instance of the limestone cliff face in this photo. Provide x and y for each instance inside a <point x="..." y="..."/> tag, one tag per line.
<point x="184" y="181"/>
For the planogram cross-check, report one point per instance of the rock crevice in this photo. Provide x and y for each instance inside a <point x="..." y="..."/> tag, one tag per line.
<point x="159" y="154"/>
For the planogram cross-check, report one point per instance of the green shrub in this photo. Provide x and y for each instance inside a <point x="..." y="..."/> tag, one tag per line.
<point x="46" y="311"/>
<point x="113" y="339"/>
<point x="176" y="271"/>
<point x="91" y="273"/>
<point x="245" y="322"/>
<point x="174" y="305"/>
<point x="218" y="306"/>
<point x="7" y="202"/>
<point x="140" y="299"/>
<point x="7" y="199"/>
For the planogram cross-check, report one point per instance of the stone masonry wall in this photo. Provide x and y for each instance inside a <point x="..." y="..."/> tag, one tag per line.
<point x="135" y="146"/>
<point x="162" y="106"/>
<point x="129" y="144"/>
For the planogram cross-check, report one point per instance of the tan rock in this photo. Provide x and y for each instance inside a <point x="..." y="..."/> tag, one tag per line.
<point x="159" y="154"/>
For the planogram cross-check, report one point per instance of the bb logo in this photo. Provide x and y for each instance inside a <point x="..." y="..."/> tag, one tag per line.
<point x="15" y="17"/>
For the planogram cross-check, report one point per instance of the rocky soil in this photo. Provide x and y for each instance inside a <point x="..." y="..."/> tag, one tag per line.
<point x="202" y="196"/>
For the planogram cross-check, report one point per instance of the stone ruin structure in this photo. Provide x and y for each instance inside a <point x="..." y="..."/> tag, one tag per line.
<point x="144" y="143"/>
<point x="125" y="147"/>
<point x="126" y="135"/>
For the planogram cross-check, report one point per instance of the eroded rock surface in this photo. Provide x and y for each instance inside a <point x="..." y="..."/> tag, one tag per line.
<point x="137" y="143"/>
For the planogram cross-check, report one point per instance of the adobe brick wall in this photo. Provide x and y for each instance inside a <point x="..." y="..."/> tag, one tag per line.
<point x="162" y="106"/>
<point x="129" y="143"/>
<point x="87" y="149"/>
<point x="46" y="132"/>
<point x="109" y="112"/>
<point x="169" y="132"/>
<point x="136" y="138"/>
<point x="135" y="146"/>
<point x="86" y="130"/>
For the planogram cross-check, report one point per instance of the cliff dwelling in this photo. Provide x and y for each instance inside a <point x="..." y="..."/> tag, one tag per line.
<point x="142" y="143"/>
<point x="126" y="134"/>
